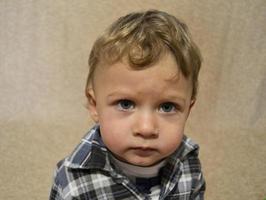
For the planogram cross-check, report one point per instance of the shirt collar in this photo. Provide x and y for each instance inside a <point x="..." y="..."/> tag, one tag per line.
<point x="91" y="153"/>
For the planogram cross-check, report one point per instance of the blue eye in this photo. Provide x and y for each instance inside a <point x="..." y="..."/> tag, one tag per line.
<point x="167" y="107"/>
<point x="125" y="104"/>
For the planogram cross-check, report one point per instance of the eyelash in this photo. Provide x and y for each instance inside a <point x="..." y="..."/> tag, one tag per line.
<point x="126" y="105"/>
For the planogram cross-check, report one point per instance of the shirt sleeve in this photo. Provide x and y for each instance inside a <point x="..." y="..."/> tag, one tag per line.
<point x="56" y="190"/>
<point x="200" y="187"/>
<point x="55" y="193"/>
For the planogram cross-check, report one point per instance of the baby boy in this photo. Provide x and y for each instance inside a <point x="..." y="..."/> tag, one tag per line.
<point x="141" y="87"/>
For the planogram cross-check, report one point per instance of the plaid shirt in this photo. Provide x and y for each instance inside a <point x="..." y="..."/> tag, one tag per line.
<point x="88" y="174"/>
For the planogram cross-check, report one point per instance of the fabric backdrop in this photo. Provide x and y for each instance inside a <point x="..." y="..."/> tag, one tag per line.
<point x="44" y="47"/>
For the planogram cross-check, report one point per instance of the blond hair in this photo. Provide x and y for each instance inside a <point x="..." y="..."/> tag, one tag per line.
<point x="141" y="38"/>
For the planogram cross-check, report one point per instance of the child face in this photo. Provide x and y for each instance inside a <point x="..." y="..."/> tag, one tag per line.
<point x="142" y="113"/>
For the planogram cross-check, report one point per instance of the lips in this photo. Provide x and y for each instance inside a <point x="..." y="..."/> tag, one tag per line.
<point x="144" y="151"/>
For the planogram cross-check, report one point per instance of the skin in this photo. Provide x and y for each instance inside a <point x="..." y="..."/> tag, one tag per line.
<point x="142" y="113"/>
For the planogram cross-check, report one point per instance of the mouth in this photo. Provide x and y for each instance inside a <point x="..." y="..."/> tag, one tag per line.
<point x="144" y="151"/>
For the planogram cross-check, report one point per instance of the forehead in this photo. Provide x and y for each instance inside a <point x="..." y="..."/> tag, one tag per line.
<point x="164" y="76"/>
<point x="166" y="66"/>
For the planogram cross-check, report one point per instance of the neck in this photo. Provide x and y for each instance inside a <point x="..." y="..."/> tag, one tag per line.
<point x="138" y="171"/>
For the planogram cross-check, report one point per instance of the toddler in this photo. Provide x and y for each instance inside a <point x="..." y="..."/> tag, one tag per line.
<point x="141" y="87"/>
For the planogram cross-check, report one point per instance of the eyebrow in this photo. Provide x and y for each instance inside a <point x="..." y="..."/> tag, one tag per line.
<point x="118" y="93"/>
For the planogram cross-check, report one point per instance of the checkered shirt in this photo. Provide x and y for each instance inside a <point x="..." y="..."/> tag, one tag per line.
<point x="88" y="174"/>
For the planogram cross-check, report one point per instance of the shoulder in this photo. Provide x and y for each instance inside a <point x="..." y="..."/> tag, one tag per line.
<point x="188" y="177"/>
<point x="186" y="159"/>
<point x="78" y="183"/>
<point x="190" y="157"/>
<point x="81" y="158"/>
<point x="191" y="168"/>
<point x="78" y="169"/>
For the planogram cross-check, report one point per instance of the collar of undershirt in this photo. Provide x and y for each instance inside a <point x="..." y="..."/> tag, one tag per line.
<point x="138" y="171"/>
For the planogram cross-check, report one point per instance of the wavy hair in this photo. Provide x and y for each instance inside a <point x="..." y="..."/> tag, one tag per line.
<point x="141" y="38"/>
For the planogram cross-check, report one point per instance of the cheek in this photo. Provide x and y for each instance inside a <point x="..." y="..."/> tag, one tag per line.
<point x="171" y="145"/>
<point x="113" y="131"/>
<point x="172" y="137"/>
<point x="173" y="140"/>
<point x="110" y="123"/>
<point x="113" y="121"/>
<point x="109" y="135"/>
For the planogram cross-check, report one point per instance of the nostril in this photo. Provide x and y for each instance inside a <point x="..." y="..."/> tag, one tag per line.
<point x="147" y="134"/>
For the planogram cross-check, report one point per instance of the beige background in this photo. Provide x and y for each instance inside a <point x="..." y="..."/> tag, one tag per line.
<point x="44" y="46"/>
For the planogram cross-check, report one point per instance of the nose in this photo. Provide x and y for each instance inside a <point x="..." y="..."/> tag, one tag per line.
<point x="146" y="125"/>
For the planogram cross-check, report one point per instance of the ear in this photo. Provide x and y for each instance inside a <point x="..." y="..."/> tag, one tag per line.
<point x="192" y="103"/>
<point x="92" y="105"/>
<point x="190" y="106"/>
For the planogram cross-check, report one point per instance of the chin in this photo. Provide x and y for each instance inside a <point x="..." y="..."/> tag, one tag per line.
<point x="144" y="163"/>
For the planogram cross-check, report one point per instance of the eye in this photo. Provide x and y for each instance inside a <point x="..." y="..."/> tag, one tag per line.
<point x="125" y="104"/>
<point x="168" y="107"/>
